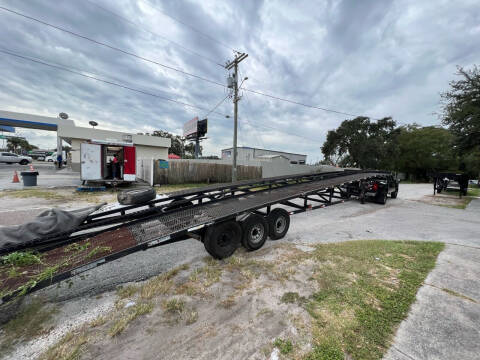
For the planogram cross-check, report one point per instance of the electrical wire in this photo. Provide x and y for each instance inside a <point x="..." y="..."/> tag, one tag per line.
<point x="111" y="47"/>
<point x="190" y="26"/>
<point x="179" y="70"/>
<point x="287" y="133"/>
<point x="107" y="81"/>
<point x="153" y="33"/>
<point x="216" y="106"/>
<point x="298" y="103"/>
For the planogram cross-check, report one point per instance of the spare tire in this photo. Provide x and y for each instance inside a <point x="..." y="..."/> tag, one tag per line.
<point x="136" y="196"/>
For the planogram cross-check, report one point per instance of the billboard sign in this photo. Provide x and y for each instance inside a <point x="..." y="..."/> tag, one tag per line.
<point x="190" y="127"/>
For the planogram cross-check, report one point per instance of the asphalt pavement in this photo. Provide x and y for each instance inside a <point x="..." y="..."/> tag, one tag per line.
<point x="48" y="177"/>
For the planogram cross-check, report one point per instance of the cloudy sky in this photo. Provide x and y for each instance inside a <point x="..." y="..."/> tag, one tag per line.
<point x="375" y="58"/>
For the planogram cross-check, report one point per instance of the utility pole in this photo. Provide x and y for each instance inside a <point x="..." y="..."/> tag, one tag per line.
<point x="234" y="64"/>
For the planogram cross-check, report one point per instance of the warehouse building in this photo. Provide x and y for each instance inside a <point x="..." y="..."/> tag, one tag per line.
<point x="245" y="153"/>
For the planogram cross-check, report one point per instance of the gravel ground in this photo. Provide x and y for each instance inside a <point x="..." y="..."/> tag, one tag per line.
<point x="454" y="319"/>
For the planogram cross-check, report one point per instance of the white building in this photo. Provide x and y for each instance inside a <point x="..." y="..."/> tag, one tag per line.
<point x="245" y="153"/>
<point x="147" y="147"/>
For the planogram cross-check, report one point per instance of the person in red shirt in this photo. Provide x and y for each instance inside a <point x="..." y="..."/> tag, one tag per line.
<point x="114" y="167"/>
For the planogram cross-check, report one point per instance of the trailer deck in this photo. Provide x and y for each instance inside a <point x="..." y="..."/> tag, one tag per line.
<point x="112" y="234"/>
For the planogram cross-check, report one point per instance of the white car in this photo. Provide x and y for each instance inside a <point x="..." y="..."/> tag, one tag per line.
<point x="11" y="158"/>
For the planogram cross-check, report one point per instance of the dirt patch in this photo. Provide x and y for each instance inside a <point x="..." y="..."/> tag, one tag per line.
<point x="446" y="200"/>
<point x="279" y="302"/>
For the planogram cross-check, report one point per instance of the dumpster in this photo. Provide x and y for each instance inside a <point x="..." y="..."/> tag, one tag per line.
<point x="29" y="178"/>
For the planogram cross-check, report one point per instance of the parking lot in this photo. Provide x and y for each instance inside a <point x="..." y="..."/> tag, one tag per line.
<point x="49" y="176"/>
<point x="448" y="302"/>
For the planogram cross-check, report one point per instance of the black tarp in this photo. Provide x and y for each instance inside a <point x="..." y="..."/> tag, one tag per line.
<point x="49" y="222"/>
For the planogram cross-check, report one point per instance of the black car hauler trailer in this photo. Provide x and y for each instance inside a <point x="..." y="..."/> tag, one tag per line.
<point x="442" y="181"/>
<point x="223" y="217"/>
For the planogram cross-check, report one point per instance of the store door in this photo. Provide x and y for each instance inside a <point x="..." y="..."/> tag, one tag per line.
<point x="129" y="163"/>
<point x="90" y="161"/>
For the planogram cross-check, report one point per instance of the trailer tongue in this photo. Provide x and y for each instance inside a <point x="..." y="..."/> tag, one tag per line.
<point x="223" y="217"/>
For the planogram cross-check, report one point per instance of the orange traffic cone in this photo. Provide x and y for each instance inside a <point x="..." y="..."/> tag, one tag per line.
<point x="15" y="177"/>
<point x="31" y="167"/>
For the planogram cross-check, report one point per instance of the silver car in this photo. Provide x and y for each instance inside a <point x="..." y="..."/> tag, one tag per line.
<point x="11" y="158"/>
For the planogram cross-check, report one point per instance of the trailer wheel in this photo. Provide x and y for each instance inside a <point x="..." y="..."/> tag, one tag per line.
<point x="278" y="223"/>
<point x="393" y="195"/>
<point x="255" y="231"/>
<point x="222" y="240"/>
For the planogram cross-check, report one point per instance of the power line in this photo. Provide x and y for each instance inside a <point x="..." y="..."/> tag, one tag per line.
<point x="107" y="81"/>
<point x="111" y="47"/>
<point x="153" y="33"/>
<point x="216" y="106"/>
<point x="298" y="103"/>
<point x="176" y="69"/>
<point x="284" y="132"/>
<point x="190" y="26"/>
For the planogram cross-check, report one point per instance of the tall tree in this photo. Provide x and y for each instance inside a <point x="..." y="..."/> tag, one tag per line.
<point x="422" y="150"/>
<point x="461" y="109"/>
<point x="15" y="144"/>
<point x="178" y="146"/>
<point x="362" y="143"/>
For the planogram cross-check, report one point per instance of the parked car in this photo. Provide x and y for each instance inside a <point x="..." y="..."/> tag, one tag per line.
<point x="11" y="158"/>
<point x="53" y="157"/>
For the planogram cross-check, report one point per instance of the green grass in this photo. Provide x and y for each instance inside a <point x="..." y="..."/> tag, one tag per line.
<point x="364" y="290"/>
<point x="19" y="258"/>
<point x="285" y="346"/>
<point x="473" y="191"/>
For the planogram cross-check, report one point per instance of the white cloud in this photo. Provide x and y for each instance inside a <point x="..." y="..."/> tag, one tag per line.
<point x="379" y="58"/>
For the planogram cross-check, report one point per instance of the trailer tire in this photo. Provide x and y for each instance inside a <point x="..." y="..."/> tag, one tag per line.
<point x="393" y="195"/>
<point x="222" y="240"/>
<point x="136" y="196"/>
<point x="255" y="232"/>
<point x="278" y="223"/>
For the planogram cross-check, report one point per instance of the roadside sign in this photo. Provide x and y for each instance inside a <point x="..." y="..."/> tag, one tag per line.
<point x="190" y="127"/>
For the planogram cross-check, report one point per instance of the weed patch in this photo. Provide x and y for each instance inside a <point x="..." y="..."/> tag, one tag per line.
<point x="285" y="346"/>
<point x="68" y="348"/>
<point x="19" y="258"/>
<point x="127" y="291"/>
